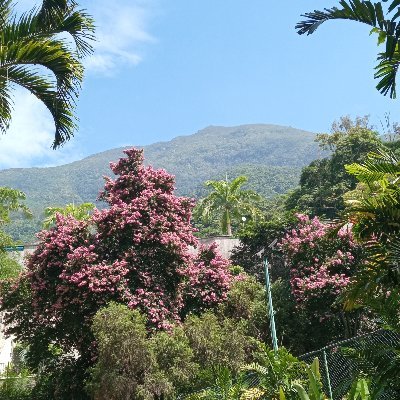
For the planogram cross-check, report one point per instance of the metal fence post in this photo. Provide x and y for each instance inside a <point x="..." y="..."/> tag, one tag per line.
<point x="328" y="378"/>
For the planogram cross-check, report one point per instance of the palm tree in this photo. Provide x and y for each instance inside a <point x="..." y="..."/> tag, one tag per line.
<point x="11" y="201"/>
<point x="383" y="22"/>
<point x="80" y="212"/>
<point x="375" y="206"/>
<point x="228" y="201"/>
<point x="39" y="42"/>
<point x="374" y="209"/>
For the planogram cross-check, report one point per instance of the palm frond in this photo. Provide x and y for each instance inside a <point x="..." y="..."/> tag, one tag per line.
<point x="61" y="106"/>
<point x="59" y="16"/>
<point x="381" y="363"/>
<point x="237" y="183"/>
<point x="355" y="10"/>
<point x="386" y="72"/>
<point x="33" y="39"/>
<point x="6" y="103"/>
<point x="255" y="367"/>
<point x="227" y="201"/>
<point x="393" y="4"/>
<point x="218" y="186"/>
<point x="5" y="12"/>
<point x="372" y="14"/>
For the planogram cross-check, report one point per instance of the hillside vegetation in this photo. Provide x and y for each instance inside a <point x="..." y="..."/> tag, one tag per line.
<point x="270" y="155"/>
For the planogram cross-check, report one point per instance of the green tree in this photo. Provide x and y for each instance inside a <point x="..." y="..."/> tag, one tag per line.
<point x="255" y="239"/>
<point x="80" y="212"/>
<point x="124" y="355"/>
<point x="383" y="21"/>
<point x="11" y="201"/>
<point x="374" y="210"/>
<point x="35" y="44"/>
<point x="229" y="201"/>
<point x="324" y="182"/>
<point x="134" y="252"/>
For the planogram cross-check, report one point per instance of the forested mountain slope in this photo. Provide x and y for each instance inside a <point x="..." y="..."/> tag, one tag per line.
<point x="270" y="155"/>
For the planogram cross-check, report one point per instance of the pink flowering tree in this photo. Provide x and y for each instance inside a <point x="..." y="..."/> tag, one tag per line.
<point x="136" y="252"/>
<point x="322" y="259"/>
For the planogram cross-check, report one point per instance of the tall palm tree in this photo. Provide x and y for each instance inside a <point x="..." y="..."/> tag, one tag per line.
<point x="50" y="39"/>
<point x="229" y="202"/>
<point x="384" y="22"/>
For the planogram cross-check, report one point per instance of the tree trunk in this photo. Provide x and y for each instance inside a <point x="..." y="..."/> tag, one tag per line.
<point x="228" y="222"/>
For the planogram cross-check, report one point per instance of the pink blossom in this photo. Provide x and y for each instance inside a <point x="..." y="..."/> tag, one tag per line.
<point x="321" y="264"/>
<point x="135" y="252"/>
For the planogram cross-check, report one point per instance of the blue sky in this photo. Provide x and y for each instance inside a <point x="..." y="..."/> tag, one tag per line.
<point x="164" y="68"/>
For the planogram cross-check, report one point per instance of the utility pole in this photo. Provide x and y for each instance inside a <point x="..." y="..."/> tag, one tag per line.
<point x="270" y="307"/>
<point x="271" y="311"/>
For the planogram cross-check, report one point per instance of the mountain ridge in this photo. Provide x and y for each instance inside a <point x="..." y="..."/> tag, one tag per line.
<point x="270" y="155"/>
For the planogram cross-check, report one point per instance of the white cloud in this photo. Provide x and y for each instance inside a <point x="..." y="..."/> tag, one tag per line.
<point x="122" y="30"/>
<point x="28" y="141"/>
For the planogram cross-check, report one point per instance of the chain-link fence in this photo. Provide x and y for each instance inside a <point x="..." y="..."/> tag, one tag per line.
<point x="339" y="364"/>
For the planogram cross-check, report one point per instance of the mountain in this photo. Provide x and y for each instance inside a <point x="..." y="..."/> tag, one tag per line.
<point x="270" y="155"/>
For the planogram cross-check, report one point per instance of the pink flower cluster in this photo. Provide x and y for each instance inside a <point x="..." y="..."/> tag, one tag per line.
<point x="322" y="259"/>
<point x="207" y="280"/>
<point x="136" y="251"/>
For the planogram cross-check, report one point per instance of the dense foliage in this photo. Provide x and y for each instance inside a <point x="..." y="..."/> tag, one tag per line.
<point x="12" y="202"/>
<point x="180" y="322"/>
<point x="134" y="365"/>
<point x="374" y="209"/>
<point x="79" y="212"/>
<point x="122" y="302"/>
<point x="324" y="182"/>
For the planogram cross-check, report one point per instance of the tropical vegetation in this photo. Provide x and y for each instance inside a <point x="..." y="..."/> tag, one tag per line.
<point x="34" y="45"/>
<point x="123" y="302"/>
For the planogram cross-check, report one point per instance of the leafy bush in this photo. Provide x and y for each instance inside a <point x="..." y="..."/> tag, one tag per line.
<point x="219" y="342"/>
<point x="124" y="356"/>
<point x="16" y="386"/>
<point x="185" y="359"/>
<point x="246" y="302"/>
<point x="275" y="372"/>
